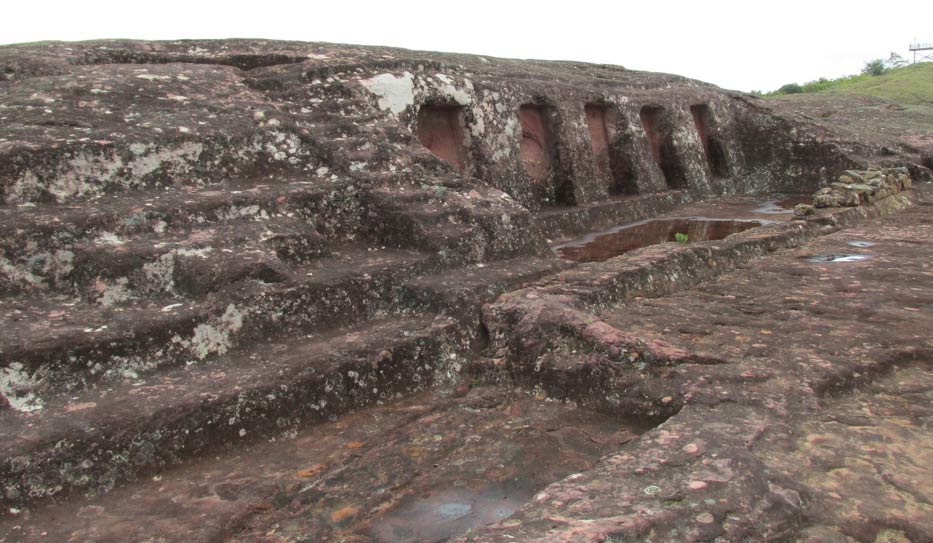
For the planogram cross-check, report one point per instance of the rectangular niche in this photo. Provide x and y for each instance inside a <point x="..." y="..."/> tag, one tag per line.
<point x="611" y="163"/>
<point x="661" y="144"/>
<point x="539" y="156"/>
<point x="712" y="146"/>
<point x="598" y="123"/>
<point x="536" y="148"/>
<point x="440" y="129"/>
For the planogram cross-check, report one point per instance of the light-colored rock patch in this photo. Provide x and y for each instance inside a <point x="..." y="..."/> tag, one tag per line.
<point x="395" y="93"/>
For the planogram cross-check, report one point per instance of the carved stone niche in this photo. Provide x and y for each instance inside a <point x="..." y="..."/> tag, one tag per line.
<point x="537" y="145"/>
<point x="612" y="161"/>
<point x="712" y="146"/>
<point x="597" y="120"/>
<point x="539" y="149"/>
<point x="440" y="129"/>
<point x="661" y="143"/>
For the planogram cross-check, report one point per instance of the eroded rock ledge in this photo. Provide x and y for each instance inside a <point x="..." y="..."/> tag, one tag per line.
<point x="209" y="249"/>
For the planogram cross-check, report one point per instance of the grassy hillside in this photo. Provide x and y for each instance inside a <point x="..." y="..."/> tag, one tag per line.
<point x="894" y="109"/>
<point x="910" y="85"/>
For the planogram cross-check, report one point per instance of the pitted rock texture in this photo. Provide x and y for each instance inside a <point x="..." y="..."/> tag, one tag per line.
<point x="90" y="118"/>
<point x="748" y="436"/>
<point x="758" y="366"/>
<point x="209" y="247"/>
<point x="481" y="453"/>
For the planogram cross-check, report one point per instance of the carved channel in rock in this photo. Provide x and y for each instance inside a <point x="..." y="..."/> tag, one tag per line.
<point x="440" y="129"/>
<point x="601" y="246"/>
<point x="712" y="146"/>
<point x="661" y="144"/>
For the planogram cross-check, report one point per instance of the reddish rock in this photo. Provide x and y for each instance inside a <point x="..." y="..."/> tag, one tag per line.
<point x="279" y="291"/>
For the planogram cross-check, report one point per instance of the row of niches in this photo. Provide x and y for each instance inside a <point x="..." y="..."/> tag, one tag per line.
<point x="441" y="129"/>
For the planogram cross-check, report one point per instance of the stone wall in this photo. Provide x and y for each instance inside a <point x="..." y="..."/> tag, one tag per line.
<point x="854" y="188"/>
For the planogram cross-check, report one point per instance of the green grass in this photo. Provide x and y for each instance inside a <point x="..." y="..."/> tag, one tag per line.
<point x="911" y="85"/>
<point x="908" y="85"/>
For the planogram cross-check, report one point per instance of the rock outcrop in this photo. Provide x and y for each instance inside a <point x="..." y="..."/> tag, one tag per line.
<point x="208" y="244"/>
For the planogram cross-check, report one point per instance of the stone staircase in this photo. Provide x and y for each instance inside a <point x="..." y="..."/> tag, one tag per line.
<point x="145" y="327"/>
<point x="154" y="326"/>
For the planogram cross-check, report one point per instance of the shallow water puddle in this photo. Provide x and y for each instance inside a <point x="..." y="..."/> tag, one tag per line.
<point x="861" y="243"/>
<point x="784" y="204"/>
<point x="837" y="258"/>
<point x="451" y="511"/>
<point x="420" y="469"/>
<point x="498" y="451"/>
<point x="621" y="239"/>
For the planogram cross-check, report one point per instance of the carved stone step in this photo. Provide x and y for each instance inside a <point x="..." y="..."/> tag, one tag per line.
<point x="193" y="262"/>
<point x="91" y="441"/>
<point x="59" y="345"/>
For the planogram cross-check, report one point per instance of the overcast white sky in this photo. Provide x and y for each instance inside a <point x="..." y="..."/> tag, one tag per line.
<point x="735" y="44"/>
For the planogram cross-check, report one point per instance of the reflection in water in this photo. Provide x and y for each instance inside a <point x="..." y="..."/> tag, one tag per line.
<point x="837" y="258"/>
<point x="480" y="462"/>
<point x="785" y="204"/>
<point x="602" y="246"/>
<point x="443" y="513"/>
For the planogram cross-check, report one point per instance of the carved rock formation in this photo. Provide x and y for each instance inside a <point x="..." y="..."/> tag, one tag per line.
<point x="208" y="244"/>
